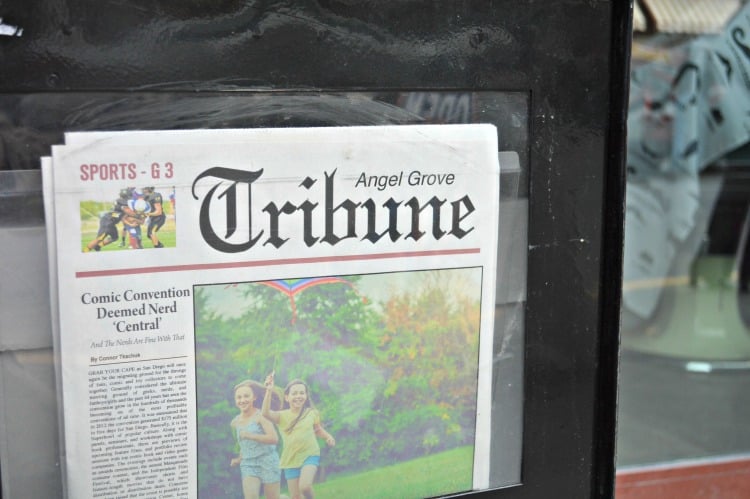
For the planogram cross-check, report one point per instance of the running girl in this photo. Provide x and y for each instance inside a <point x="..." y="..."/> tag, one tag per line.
<point x="258" y="459"/>
<point x="299" y="425"/>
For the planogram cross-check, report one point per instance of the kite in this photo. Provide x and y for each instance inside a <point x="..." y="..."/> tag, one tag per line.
<point x="292" y="287"/>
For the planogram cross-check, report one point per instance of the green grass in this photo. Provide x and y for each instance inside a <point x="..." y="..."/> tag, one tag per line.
<point x="90" y="225"/>
<point x="438" y="474"/>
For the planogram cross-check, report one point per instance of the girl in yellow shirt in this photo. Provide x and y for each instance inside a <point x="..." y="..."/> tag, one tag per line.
<point x="300" y="426"/>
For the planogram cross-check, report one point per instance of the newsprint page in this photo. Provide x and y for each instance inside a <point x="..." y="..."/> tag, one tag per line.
<point x="275" y="312"/>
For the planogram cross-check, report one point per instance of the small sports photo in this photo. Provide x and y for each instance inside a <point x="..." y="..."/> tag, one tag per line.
<point x="132" y="218"/>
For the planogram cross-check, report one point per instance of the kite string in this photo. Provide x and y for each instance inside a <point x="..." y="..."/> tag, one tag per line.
<point x="294" y="308"/>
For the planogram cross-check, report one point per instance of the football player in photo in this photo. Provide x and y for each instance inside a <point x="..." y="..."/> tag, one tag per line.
<point x="126" y="195"/>
<point x="134" y="216"/>
<point x="107" y="232"/>
<point x="156" y="217"/>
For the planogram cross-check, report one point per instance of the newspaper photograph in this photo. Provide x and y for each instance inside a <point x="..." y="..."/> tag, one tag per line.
<point x="275" y="312"/>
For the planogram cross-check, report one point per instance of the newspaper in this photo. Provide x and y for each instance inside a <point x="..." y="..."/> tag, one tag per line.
<point x="275" y="310"/>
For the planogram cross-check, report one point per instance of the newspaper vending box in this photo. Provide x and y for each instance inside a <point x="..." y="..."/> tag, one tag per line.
<point x="334" y="248"/>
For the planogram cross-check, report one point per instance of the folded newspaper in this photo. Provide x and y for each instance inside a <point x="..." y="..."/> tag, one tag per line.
<point x="275" y="311"/>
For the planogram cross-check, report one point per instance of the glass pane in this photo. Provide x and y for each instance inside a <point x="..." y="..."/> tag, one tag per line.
<point x="34" y="122"/>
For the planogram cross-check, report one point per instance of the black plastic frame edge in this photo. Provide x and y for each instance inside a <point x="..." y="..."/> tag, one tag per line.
<point x="612" y="261"/>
